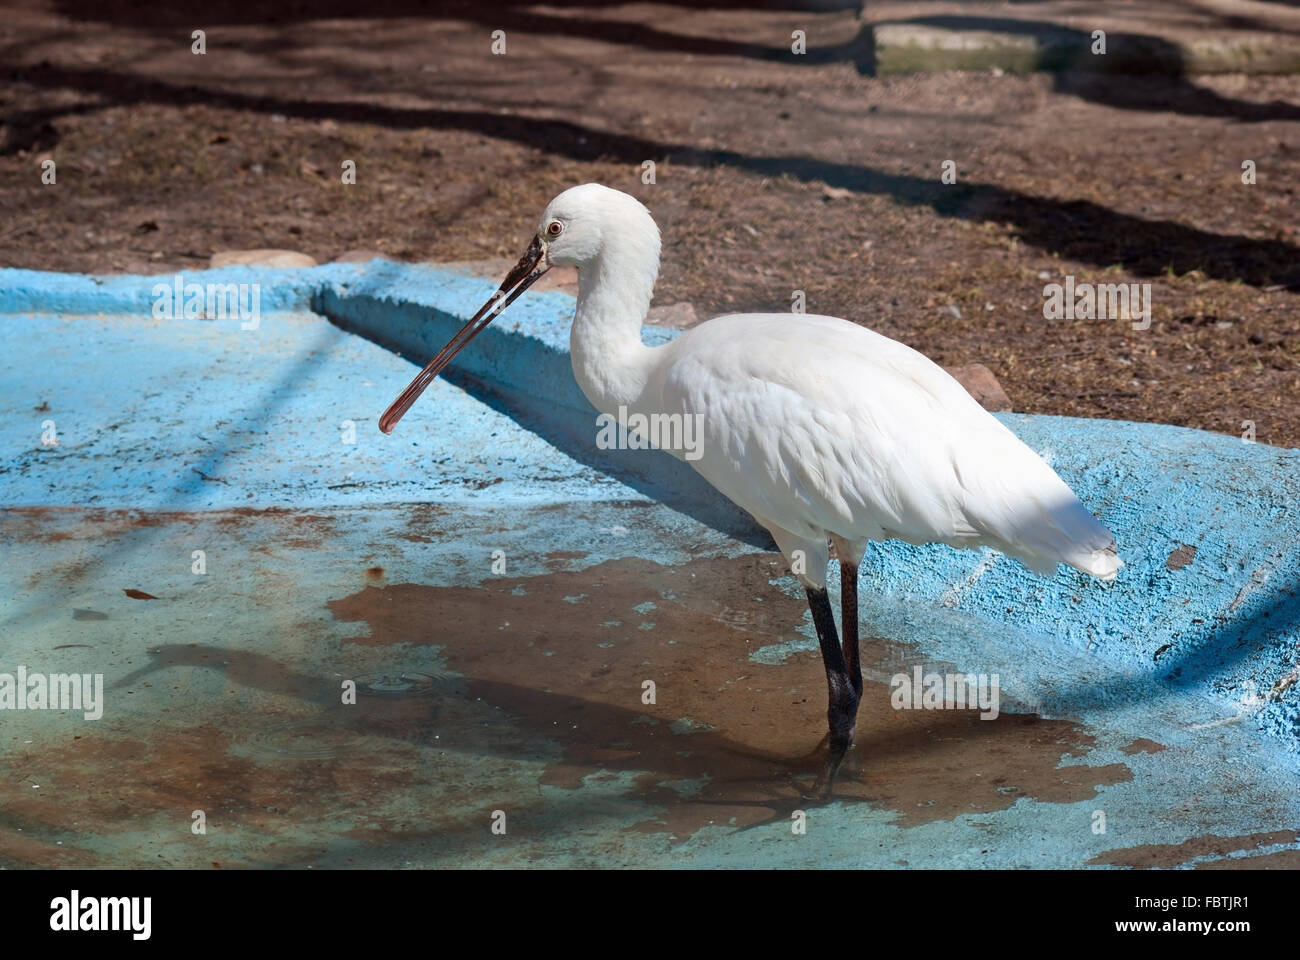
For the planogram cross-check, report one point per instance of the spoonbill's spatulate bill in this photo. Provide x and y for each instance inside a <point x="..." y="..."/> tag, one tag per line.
<point x="823" y="430"/>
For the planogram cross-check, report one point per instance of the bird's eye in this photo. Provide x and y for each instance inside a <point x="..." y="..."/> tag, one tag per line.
<point x="554" y="228"/>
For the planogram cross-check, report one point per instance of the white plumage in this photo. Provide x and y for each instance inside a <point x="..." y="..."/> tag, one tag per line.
<point x="818" y="427"/>
<point x="823" y="430"/>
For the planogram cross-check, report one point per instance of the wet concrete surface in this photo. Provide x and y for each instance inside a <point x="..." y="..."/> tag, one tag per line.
<point x="567" y="655"/>
<point x="1213" y="849"/>
<point x="523" y="693"/>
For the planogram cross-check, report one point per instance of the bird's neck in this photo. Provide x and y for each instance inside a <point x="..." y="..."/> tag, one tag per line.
<point x="610" y="362"/>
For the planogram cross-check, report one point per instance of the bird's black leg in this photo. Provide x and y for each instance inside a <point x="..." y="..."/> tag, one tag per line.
<point x="842" y="710"/>
<point x="849" y="625"/>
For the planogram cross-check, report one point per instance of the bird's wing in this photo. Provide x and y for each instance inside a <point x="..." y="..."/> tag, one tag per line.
<point x="817" y="424"/>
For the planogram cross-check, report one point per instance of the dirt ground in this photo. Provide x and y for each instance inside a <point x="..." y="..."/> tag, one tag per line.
<point x="774" y="173"/>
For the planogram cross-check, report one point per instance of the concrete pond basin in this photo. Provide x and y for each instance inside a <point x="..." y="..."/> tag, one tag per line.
<point x="333" y="648"/>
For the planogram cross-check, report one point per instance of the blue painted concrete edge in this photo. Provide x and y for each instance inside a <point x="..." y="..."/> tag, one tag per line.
<point x="518" y="365"/>
<point x="35" y="291"/>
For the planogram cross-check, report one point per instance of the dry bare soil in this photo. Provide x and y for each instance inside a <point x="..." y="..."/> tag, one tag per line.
<point x="774" y="173"/>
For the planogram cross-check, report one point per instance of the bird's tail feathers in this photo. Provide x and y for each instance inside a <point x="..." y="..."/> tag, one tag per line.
<point x="1043" y="524"/>
<point x="1103" y="564"/>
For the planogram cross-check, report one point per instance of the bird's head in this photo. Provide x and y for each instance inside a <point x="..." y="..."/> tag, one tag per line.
<point x="582" y="226"/>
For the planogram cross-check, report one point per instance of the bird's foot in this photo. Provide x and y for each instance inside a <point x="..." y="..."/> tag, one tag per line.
<point x="837" y="747"/>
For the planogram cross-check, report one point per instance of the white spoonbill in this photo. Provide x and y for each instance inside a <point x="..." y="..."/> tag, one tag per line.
<point x="823" y="430"/>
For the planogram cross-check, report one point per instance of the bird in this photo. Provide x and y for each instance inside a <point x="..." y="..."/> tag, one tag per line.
<point x="825" y="432"/>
